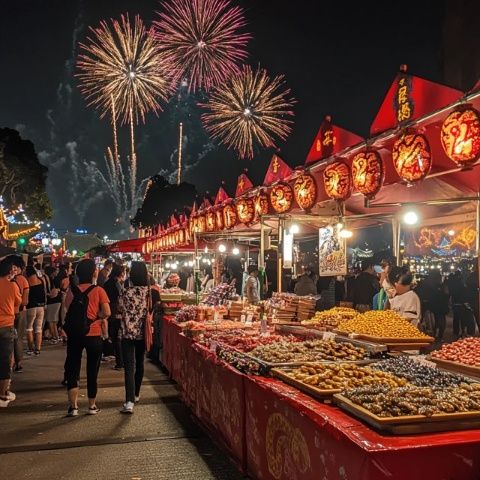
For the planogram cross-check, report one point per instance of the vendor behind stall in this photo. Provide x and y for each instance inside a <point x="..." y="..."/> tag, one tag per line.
<point x="252" y="285"/>
<point x="306" y="283"/>
<point x="405" y="302"/>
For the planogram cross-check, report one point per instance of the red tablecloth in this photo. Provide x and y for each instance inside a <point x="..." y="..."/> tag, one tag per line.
<point x="276" y="432"/>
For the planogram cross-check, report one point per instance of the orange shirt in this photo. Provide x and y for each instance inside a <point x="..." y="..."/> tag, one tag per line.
<point x="10" y="300"/>
<point x="23" y="285"/>
<point x="96" y="297"/>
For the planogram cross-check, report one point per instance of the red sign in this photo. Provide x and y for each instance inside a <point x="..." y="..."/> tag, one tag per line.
<point x="245" y="210"/>
<point x="243" y="185"/>
<point x="229" y="216"/>
<point x="261" y="205"/>
<point x="277" y="170"/>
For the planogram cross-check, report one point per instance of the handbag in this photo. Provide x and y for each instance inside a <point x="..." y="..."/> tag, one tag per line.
<point x="148" y="334"/>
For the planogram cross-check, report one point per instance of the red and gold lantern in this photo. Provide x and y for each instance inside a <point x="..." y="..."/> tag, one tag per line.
<point x="210" y="221"/>
<point x="367" y="173"/>
<point x="461" y="136"/>
<point x="245" y="210"/>
<point x="219" y="217"/>
<point x="281" y="197"/>
<point x="229" y="215"/>
<point x="337" y="181"/>
<point x="261" y="204"/>
<point x="201" y="224"/>
<point x="411" y="157"/>
<point x="305" y="191"/>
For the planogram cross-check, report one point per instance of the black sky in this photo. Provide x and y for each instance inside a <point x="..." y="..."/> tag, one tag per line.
<point x="337" y="58"/>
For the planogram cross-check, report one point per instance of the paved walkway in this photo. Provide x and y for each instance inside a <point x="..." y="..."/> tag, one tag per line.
<point x="159" y="441"/>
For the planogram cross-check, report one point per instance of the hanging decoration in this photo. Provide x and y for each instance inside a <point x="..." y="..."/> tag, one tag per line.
<point x="229" y="215"/>
<point x="368" y="172"/>
<point x="261" y="205"/>
<point x="305" y="191"/>
<point x="210" y="219"/>
<point x="337" y="181"/>
<point x="245" y="210"/>
<point x="281" y="197"/>
<point x="411" y="157"/>
<point x="461" y="136"/>
<point x="219" y="217"/>
<point x="201" y="223"/>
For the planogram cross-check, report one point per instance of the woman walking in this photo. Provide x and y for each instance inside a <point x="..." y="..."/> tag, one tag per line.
<point x="134" y="306"/>
<point x="97" y="312"/>
<point x="54" y="302"/>
<point x="37" y="297"/>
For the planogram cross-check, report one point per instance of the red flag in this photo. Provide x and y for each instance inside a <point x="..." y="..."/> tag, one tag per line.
<point x="206" y="203"/>
<point x="194" y="210"/>
<point x="173" y="220"/>
<point x="222" y="195"/>
<point x="409" y="98"/>
<point x="243" y="185"/>
<point x="277" y="170"/>
<point x="330" y="140"/>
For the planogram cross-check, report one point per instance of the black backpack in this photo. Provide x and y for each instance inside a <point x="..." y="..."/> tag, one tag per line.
<point x="77" y="324"/>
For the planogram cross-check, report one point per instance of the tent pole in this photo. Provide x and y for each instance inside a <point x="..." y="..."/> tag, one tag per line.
<point x="477" y="244"/>
<point x="261" y="260"/>
<point x="279" y="255"/>
<point x="396" y="232"/>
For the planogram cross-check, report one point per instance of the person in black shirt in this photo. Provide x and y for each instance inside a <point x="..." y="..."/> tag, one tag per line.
<point x="365" y="287"/>
<point x="114" y="288"/>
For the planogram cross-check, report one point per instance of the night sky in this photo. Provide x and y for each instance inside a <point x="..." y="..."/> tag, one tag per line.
<point x="337" y="59"/>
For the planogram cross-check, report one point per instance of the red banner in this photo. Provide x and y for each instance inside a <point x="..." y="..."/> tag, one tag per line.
<point x="277" y="170"/>
<point x="243" y="185"/>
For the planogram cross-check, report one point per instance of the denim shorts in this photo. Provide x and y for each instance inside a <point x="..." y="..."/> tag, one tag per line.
<point x="6" y="350"/>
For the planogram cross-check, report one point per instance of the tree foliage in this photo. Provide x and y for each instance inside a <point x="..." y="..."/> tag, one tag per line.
<point x="22" y="176"/>
<point x="161" y="200"/>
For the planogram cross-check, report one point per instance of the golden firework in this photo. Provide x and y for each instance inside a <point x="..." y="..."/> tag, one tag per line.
<point x="249" y="108"/>
<point x="121" y="63"/>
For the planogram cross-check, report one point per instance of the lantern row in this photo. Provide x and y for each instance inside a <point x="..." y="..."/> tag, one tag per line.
<point x="412" y="160"/>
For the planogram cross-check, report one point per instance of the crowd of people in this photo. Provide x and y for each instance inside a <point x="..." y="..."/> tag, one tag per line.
<point x="102" y="312"/>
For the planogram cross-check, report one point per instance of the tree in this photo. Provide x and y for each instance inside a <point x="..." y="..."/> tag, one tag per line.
<point x="22" y="176"/>
<point x="161" y="200"/>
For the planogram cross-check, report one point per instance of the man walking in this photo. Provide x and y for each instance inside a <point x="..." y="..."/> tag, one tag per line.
<point x="10" y="300"/>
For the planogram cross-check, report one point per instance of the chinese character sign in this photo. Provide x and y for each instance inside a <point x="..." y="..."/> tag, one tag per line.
<point x="403" y="102"/>
<point x="332" y="252"/>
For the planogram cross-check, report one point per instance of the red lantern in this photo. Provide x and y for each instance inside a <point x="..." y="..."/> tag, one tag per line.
<point x="245" y="210"/>
<point x="367" y="173"/>
<point x="210" y="221"/>
<point x="337" y="181"/>
<point x="461" y="136"/>
<point x="411" y="157"/>
<point x="201" y="224"/>
<point x="261" y="205"/>
<point x="305" y="191"/>
<point x="219" y="218"/>
<point x="229" y="216"/>
<point x="281" y="197"/>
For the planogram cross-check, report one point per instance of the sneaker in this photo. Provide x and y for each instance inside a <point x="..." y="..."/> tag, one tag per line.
<point x="18" y="369"/>
<point x="10" y="396"/>
<point x="127" y="407"/>
<point x="72" y="412"/>
<point x="4" y="402"/>
<point x="93" y="410"/>
<point x="29" y="352"/>
<point x="64" y="382"/>
<point x="137" y="398"/>
<point x="37" y="352"/>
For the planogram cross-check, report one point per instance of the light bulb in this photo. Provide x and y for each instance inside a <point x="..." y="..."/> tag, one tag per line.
<point x="410" y="218"/>
<point x="235" y="251"/>
<point x="222" y="248"/>
<point x="294" y="228"/>
<point x="346" y="233"/>
<point x="451" y="233"/>
<point x="167" y="265"/>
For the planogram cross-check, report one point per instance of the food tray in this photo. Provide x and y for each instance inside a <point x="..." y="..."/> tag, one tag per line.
<point x="319" y="394"/>
<point x="391" y="342"/>
<point x="411" y="424"/>
<point x="456" y="367"/>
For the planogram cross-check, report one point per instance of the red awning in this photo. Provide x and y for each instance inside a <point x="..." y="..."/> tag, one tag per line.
<point x="133" y="245"/>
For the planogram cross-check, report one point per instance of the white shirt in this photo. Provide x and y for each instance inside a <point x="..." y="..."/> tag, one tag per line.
<point x="408" y="306"/>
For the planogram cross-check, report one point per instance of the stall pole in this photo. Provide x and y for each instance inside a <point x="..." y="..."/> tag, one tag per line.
<point x="261" y="261"/>
<point x="396" y="232"/>
<point x="477" y="245"/>
<point x="196" y="270"/>
<point x="279" y="255"/>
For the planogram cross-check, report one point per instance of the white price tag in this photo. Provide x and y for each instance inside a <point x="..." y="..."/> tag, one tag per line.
<point x="328" y="336"/>
<point x="242" y="318"/>
<point x="249" y="319"/>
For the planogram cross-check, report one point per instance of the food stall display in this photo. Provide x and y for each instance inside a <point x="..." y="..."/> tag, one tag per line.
<point x="322" y="380"/>
<point x="288" y="307"/>
<point x="462" y="356"/>
<point x="331" y="318"/>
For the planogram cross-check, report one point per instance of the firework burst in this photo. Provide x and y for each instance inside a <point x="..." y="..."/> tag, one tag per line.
<point x="121" y="63"/>
<point x="202" y="40"/>
<point x="249" y="108"/>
